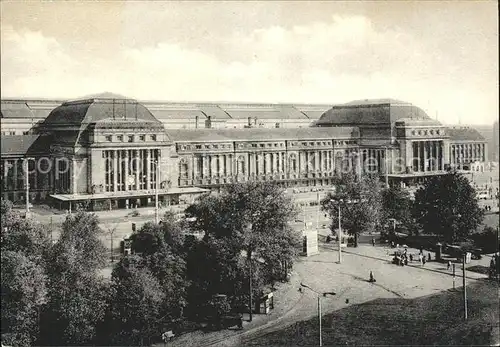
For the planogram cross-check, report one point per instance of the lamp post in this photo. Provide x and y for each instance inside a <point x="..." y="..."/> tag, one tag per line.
<point x="157" y="169"/>
<point x="319" y="308"/>
<point x="386" y="171"/>
<point x="340" y="229"/>
<point x="27" y="184"/>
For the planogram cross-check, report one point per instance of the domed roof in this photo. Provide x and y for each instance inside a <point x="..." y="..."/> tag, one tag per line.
<point x="100" y="108"/>
<point x="370" y="112"/>
<point x="73" y="118"/>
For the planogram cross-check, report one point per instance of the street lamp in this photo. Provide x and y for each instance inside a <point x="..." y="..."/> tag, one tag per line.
<point x="338" y="202"/>
<point x="157" y="168"/>
<point x="319" y="307"/>
<point x="111" y="232"/>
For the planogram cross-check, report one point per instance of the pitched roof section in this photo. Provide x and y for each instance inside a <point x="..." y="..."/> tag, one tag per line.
<point x="20" y="145"/>
<point x="261" y="134"/>
<point x="464" y="134"/>
<point x="370" y="112"/>
<point x="15" y="109"/>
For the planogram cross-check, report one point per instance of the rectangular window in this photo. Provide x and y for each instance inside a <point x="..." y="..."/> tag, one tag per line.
<point x="120" y="138"/>
<point x="142" y="137"/>
<point x="109" y="138"/>
<point x="131" y="138"/>
<point x="153" y="137"/>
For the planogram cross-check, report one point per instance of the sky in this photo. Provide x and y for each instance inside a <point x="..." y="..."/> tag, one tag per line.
<point x="440" y="56"/>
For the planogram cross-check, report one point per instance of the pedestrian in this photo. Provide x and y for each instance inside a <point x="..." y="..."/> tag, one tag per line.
<point x="429" y="256"/>
<point x="420" y="258"/>
<point x="449" y="265"/>
<point x="406" y="261"/>
<point x="392" y="244"/>
<point x="373" y="242"/>
<point x="372" y="278"/>
<point x="411" y="257"/>
<point x="423" y="261"/>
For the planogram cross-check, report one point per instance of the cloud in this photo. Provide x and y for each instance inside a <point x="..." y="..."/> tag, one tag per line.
<point x="333" y="61"/>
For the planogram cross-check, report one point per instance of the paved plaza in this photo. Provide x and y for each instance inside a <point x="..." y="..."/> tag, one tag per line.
<point x="349" y="280"/>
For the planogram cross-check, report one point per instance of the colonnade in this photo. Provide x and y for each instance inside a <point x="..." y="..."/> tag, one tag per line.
<point x="428" y="156"/>
<point x="258" y="163"/>
<point x="121" y="166"/>
<point x="467" y="152"/>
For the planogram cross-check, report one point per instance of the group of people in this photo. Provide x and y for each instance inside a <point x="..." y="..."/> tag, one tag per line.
<point x="403" y="258"/>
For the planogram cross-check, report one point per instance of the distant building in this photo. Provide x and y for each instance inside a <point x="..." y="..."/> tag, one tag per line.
<point x="496" y="146"/>
<point x="111" y="152"/>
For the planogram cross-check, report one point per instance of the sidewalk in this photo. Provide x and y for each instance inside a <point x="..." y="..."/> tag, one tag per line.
<point x="384" y="253"/>
<point x="145" y="213"/>
<point x="285" y="298"/>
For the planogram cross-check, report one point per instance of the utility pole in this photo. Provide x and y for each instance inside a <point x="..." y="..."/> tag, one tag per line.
<point x="319" y="317"/>
<point x="157" y="219"/>
<point x="453" y="276"/>
<point x="250" y="282"/>
<point x="465" y="288"/>
<point x="27" y="184"/>
<point x="386" y="169"/>
<point x="317" y="214"/>
<point x="319" y="308"/>
<point x="340" y="238"/>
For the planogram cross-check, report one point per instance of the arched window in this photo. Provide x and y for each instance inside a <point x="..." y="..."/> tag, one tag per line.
<point x="293" y="162"/>
<point x="241" y="165"/>
<point x="183" y="169"/>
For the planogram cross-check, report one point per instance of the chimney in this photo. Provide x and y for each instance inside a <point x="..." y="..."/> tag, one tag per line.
<point x="208" y="122"/>
<point x="196" y="119"/>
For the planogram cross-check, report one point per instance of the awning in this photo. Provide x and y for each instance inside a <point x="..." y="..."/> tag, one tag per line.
<point x="418" y="174"/>
<point x="129" y="194"/>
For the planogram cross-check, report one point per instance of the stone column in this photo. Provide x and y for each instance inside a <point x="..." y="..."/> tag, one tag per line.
<point x="426" y="156"/>
<point x="148" y="169"/>
<point x="137" y="170"/>
<point x="126" y="170"/>
<point x="114" y="167"/>
<point x="204" y="166"/>
<point x="261" y="163"/>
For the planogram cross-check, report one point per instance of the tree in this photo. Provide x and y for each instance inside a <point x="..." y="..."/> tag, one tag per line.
<point x="359" y="201"/>
<point x="23" y="235"/>
<point x="135" y="304"/>
<point x="397" y="205"/>
<point x="447" y="206"/>
<point x="77" y="291"/>
<point x="23" y="294"/>
<point x="245" y="219"/>
<point x="24" y="249"/>
<point x="162" y="250"/>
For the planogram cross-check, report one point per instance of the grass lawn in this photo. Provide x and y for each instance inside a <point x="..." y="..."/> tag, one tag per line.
<point x="430" y="320"/>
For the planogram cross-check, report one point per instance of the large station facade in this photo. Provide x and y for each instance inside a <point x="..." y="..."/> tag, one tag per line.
<point x="114" y="152"/>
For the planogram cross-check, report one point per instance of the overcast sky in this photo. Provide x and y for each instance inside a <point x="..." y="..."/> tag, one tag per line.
<point x="441" y="56"/>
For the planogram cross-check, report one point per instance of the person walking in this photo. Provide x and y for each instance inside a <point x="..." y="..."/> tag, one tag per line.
<point x="449" y="265"/>
<point x="423" y="261"/>
<point x="411" y="257"/>
<point x="429" y="256"/>
<point x="373" y="242"/>
<point x="372" y="279"/>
